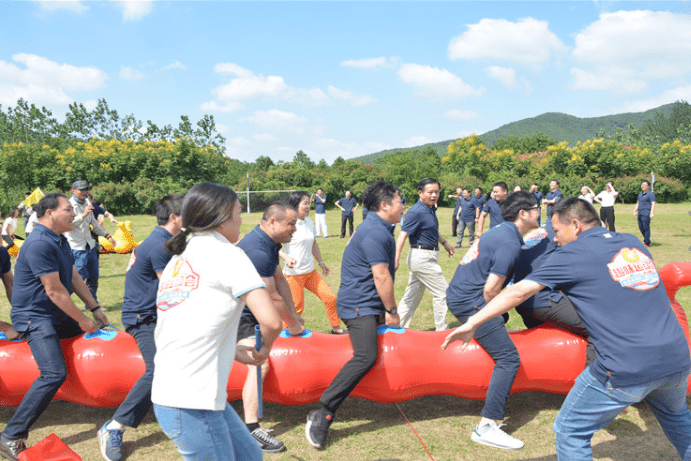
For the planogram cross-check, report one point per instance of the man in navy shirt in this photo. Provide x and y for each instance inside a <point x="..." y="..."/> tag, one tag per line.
<point x="422" y="226"/>
<point x="535" y="190"/>
<point x="493" y="207"/>
<point x="454" y="216"/>
<point x="139" y="316"/>
<point x="365" y="299"/>
<point x="7" y="280"/>
<point x="552" y="197"/>
<point x="319" y="200"/>
<point x="261" y="245"/>
<point x="348" y="205"/>
<point x="641" y="352"/>
<point x="465" y="216"/>
<point x="485" y="269"/>
<point x="43" y="312"/>
<point x="645" y="209"/>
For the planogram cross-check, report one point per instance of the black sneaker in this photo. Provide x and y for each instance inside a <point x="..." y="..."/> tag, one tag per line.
<point x="317" y="427"/>
<point x="10" y="449"/>
<point x="267" y="443"/>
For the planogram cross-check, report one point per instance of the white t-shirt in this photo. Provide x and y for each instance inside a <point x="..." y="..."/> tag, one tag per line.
<point x="587" y="197"/>
<point x="300" y="248"/>
<point x="607" y="198"/>
<point x="33" y="220"/>
<point x="9" y="226"/>
<point x="199" y="310"/>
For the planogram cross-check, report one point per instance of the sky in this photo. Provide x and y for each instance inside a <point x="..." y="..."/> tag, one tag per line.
<point x="345" y="79"/>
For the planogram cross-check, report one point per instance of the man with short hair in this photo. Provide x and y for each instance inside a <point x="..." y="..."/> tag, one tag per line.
<point x="319" y="200"/>
<point x="421" y="227"/>
<point x="84" y="246"/>
<point x="493" y="207"/>
<point x="456" y="208"/>
<point x="645" y="209"/>
<point x="552" y="197"/>
<point x="348" y="205"/>
<point x="535" y="190"/>
<point x="43" y="312"/>
<point x="262" y="245"/>
<point x="365" y="300"/>
<point x="465" y="216"/>
<point x="139" y="315"/>
<point x="641" y="350"/>
<point x="481" y="200"/>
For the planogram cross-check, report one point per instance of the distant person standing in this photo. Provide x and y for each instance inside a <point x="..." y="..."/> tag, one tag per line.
<point x="466" y="218"/>
<point x="645" y="209"/>
<point x="319" y="200"/>
<point x="552" y="197"/>
<point x="493" y="207"/>
<point x="607" y="198"/>
<point x="535" y="190"/>
<point x="25" y="209"/>
<point x="9" y="226"/>
<point x="348" y="206"/>
<point x="587" y="194"/>
<point x="454" y="216"/>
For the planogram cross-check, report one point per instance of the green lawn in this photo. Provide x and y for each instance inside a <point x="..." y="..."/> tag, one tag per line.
<point x="367" y="430"/>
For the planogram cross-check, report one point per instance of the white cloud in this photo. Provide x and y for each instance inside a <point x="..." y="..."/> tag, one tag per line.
<point x="623" y="51"/>
<point x="436" y="84"/>
<point x="221" y="128"/>
<point x="90" y="104"/>
<point x="175" y="65"/>
<point x="265" y="138"/>
<point x="45" y="82"/>
<point x="69" y="5"/>
<point x="353" y="99"/>
<point x="666" y="97"/>
<point x="457" y="114"/>
<point x="369" y="63"/>
<point x="506" y="76"/>
<point x="417" y="141"/>
<point x="128" y="73"/>
<point x="135" y="10"/>
<point x="330" y="148"/>
<point x="225" y="107"/>
<point x="527" y="41"/>
<point x="277" y="120"/>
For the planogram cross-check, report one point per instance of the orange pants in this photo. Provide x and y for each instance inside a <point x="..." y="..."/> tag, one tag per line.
<point x="317" y="285"/>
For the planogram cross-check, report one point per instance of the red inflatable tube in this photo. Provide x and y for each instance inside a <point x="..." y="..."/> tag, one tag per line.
<point x="103" y="369"/>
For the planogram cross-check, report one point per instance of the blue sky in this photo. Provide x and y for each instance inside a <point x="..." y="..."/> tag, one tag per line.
<point x="345" y="78"/>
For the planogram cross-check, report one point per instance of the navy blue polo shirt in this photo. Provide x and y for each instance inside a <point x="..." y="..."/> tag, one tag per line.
<point x="365" y="212"/>
<point x="372" y="243"/>
<point x="538" y="197"/>
<point x="552" y="195"/>
<point x="141" y="282"/>
<point x="645" y="203"/>
<point x="5" y="261"/>
<point x="458" y="205"/>
<point x="493" y="209"/>
<point x="616" y="289"/>
<point x="539" y="244"/>
<point x="348" y="204"/>
<point x="496" y="252"/>
<point x="422" y="224"/>
<point x="481" y="200"/>
<point x="319" y="206"/>
<point x="43" y="252"/>
<point x="263" y="252"/>
<point x="468" y="207"/>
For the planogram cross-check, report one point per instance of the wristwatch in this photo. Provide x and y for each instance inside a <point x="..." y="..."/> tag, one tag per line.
<point x="393" y="310"/>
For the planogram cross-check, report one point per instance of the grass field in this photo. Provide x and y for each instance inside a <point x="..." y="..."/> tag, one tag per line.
<point x="366" y="430"/>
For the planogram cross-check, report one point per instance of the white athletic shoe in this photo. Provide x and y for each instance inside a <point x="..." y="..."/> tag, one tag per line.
<point x="492" y="435"/>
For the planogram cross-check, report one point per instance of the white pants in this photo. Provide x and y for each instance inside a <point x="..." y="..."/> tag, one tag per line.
<point x="320" y="223"/>
<point x="425" y="272"/>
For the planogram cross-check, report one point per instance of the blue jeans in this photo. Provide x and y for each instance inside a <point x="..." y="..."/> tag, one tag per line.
<point x="591" y="405"/>
<point x="44" y="342"/>
<point x="206" y="435"/>
<point x="86" y="262"/>
<point x="644" y="227"/>
<point x="495" y="340"/>
<point x="138" y="401"/>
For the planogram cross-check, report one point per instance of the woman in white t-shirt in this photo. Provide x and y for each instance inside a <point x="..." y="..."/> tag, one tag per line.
<point x="607" y="198"/>
<point x="299" y="268"/>
<point x="201" y="294"/>
<point x="9" y="226"/>
<point x="587" y="194"/>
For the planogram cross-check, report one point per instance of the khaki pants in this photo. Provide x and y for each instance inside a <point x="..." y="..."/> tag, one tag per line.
<point x="425" y="272"/>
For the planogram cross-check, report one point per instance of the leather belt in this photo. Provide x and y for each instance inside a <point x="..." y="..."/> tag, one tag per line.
<point x="424" y="247"/>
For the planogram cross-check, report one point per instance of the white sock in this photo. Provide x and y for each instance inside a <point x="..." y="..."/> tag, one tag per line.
<point x="114" y="426"/>
<point x="486" y="423"/>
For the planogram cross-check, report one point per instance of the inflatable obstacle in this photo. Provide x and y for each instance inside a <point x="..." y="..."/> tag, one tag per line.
<point x="103" y="367"/>
<point x="124" y="240"/>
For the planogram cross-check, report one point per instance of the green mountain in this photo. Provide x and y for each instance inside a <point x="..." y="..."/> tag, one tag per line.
<point x="558" y="126"/>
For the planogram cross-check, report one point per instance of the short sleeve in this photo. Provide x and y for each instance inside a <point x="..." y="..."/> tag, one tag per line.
<point x="505" y="260"/>
<point x="5" y="261"/>
<point x="412" y="223"/>
<point x="242" y="277"/>
<point x="262" y="262"/>
<point x="378" y="248"/>
<point x="41" y="258"/>
<point x="652" y="197"/>
<point x="556" y="272"/>
<point x="159" y="259"/>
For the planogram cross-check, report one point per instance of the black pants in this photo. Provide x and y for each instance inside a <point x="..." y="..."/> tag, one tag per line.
<point x="345" y="219"/>
<point x="561" y="313"/>
<point x="454" y="225"/>
<point x="607" y="217"/>
<point x="362" y="332"/>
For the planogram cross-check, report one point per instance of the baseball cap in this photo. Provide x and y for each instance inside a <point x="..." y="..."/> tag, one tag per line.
<point x="80" y="185"/>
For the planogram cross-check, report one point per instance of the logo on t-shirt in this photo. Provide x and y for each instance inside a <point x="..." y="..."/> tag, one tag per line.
<point x="534" y="237"/>
<point x="133" y="259"/>
<point x="634" y="269"/>
<point x="173" y="291"/>
<point x="472" y="254"/>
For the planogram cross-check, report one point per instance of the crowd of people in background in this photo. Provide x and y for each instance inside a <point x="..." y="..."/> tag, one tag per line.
<point x="189" y="338"/>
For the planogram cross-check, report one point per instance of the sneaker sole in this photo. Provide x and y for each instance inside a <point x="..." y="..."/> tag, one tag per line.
<point x="274" y="450"/>
<point x="102" y="444"/>
<point x="477" y="439"/>
<point x="7" y="454"/>
<point x="307" y="434"/>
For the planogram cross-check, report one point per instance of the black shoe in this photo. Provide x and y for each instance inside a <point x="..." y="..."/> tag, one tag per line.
<point x="10" y="449"/>
<point x="268" y="443"/>
<point x="338" y="331"/>
<point x="317" y="427"/>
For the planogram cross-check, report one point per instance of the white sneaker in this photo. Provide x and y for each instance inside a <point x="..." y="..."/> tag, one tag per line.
<point x="492" y="435"/>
